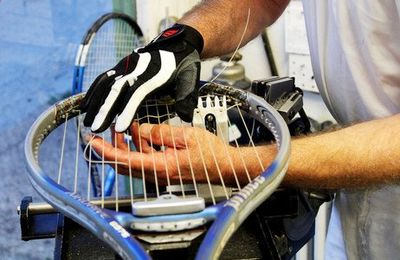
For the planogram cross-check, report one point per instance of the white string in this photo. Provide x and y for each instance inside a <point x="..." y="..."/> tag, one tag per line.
<point x="77" y="153"/>
<point x="211" y="147"/>
<point x="115" y="40"/>
<point x="237" y="47"/>
<point x="62" y="150"/>
<point x="205" y="167"/>
<point x="251" y="141"/>
<point x="102" y="172"/>
<point x="162" y="145"/>
<point x="176" y="155"/>
<point x="90" y="165"/>
<point x="130" y="171"/>
<point x="116" y="172"/>
<point x="190" y="160"/>
<point x="152" y="154"/>
<point x="241" y="152"/>
<point x="229" y="155"/>
<point x="253" y="128"/>
<point x="142" y="164"/>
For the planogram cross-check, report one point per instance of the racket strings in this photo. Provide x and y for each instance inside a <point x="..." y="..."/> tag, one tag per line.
<point x="130" y="171"/>
<point x="251" y="141"/>
<point x="205" y="168"/>
<point x="190" y="161"/>
<point x="208" y="155"/>
<point x="152" y="153"/>
<point x="175" y="153"/>
<point x="208" y="144"/>
<point x="113" y="41"/>
<point x="241" y="155"/>
<point x="142" y="166"/>
<point x="60" y="168"/>
<point x="229" y="156"/>
<point x="89" y="175"/>
<point x="102" y="172"/>
<point x="77" y="154"/>
<point x="116" y="172"/>
<point x="211" y="148"/>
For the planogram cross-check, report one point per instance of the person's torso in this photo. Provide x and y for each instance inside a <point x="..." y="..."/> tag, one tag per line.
<point x="355" y="52"/>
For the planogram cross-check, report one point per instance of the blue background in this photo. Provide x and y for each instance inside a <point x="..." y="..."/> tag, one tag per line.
<point x="38" y="43"/>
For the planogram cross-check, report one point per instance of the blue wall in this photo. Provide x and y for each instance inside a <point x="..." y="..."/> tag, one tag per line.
<point x="38" y="41"/>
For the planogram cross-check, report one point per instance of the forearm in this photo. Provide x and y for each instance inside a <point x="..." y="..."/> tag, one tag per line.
<point x="222" y="23"/>
<point x="357" y="156"/>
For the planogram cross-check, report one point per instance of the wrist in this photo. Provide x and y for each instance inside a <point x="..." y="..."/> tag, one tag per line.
<point x="193" y="37"/>
<point x="175" y="34"/>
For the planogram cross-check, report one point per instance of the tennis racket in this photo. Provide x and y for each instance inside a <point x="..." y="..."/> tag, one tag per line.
<point x="110" y="38"/>
<point x="164" y="212"/>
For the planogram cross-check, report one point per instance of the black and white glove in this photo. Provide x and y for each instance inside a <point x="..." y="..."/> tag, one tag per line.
<point x="172" y="57"/>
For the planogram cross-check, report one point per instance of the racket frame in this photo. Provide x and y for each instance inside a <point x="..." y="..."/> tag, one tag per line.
<point x="108" y="225"/>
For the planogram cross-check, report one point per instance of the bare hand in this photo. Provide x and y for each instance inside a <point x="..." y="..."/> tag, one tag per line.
<point x="186" y="153"/>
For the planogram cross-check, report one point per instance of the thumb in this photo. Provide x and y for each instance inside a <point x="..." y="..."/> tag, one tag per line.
<point x="187" y="85"/>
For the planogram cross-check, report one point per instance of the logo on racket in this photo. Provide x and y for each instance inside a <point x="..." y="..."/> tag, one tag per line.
<point x="242" y="195"/>
<point x="114" y="224"/>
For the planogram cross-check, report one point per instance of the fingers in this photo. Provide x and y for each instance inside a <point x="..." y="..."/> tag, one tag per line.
<point x="137" y="160"/>
<point x="164" y="135"/>
<point x="141" y="144"/>
<point x="118" y="139"/>
<point x="177" y="160"/>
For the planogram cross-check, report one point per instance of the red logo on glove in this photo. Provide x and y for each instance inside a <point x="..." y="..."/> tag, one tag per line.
<point x="169" y="33"/>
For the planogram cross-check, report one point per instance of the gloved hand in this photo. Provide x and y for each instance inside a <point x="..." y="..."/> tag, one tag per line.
<point x="172" y="57"/>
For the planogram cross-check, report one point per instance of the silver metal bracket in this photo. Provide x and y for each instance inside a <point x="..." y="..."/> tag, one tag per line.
<point x="168" y="205"/>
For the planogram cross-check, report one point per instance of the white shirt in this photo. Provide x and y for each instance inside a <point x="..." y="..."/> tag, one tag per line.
<point x="355" y="52"/>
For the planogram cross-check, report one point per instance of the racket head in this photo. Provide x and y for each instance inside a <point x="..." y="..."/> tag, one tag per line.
<point x="110" y="38"/>
<point x="106" y="224"/>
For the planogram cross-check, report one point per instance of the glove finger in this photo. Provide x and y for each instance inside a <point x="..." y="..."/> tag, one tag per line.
<point x="126" y="64"/>
<point x="187" y="86"/>
<point x="111" y="105"/>
<point x="101" y="80"/>
<point x="95" y="98"/>
<point x="184" y="108"/>
<point x="151" y="80"/>
<point x="102" y="112"/>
